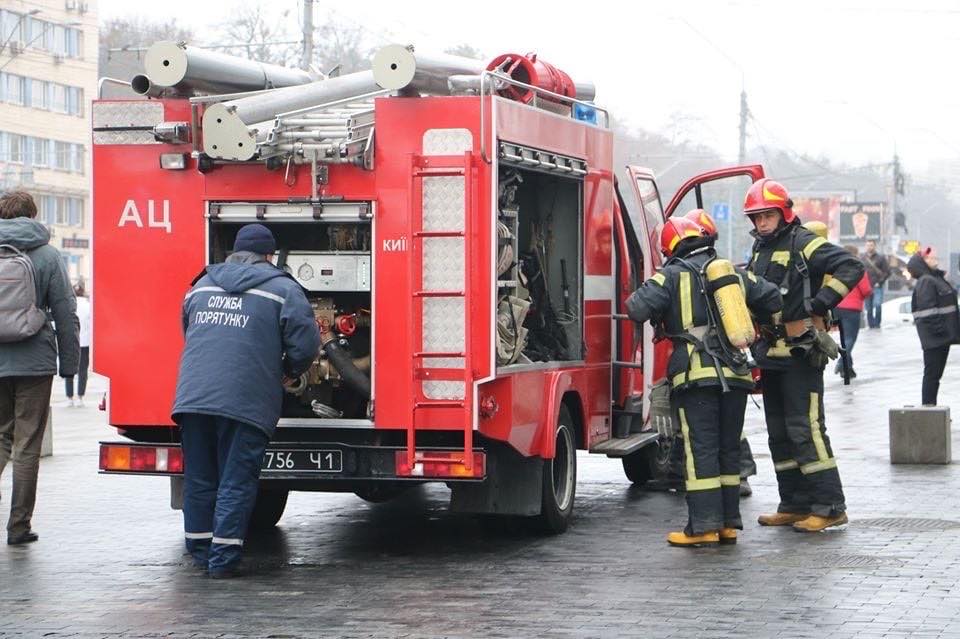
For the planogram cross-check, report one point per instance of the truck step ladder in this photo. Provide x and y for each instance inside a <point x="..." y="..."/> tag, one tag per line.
<point x="428" y="167"/>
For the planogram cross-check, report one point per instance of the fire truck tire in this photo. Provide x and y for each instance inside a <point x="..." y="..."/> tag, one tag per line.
<point x="268" y="508"/>
<point x="638" y="466"/>
<point x="559" y="478"/>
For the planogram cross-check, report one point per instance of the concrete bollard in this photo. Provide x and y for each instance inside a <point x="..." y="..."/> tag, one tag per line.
<point x="46" y="447"/>
<point x="920" y="435"/>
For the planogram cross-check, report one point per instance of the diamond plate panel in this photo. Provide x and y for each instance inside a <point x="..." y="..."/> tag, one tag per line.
<point x="126" y="114"/>
<point x="447" y="389"/>
<point x="447" y="141"/>
<point x="123" y="137"/>
<point x="443" y="203"/>
<point x="443" y="262"/>
<point x="443" y="330"/>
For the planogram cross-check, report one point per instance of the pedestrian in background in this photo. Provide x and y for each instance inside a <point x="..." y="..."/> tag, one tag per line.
<point x="877" y="266"/>
<point x="34" y="288"/>
<point x="849" y="312"/>
<point x="83" y="314"/>
<point x="230" y="390"/>
<point x="936" y="317"/>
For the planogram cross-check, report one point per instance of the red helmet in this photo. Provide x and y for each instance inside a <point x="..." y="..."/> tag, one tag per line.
<point x="767" y="194"/>
<point x="674" y="231"/>
<point x="704" y="221"/>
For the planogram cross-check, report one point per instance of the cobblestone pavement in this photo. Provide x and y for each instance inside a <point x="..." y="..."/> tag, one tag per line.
<point x="110" y="562"/>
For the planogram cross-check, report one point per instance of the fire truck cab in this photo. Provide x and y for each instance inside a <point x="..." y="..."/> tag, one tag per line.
<point x="470" y="252"/>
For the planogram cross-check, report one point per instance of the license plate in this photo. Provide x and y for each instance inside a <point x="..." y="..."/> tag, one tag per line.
<point x="299" y="460"/>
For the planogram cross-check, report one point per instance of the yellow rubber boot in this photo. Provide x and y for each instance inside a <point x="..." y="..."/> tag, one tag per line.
<point x="728" y="536"/>
<point x="680" y="538"/>
<point x="816" y="523"/>
<point x="781" y="519"/>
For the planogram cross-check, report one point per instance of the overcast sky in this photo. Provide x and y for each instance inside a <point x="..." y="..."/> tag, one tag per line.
<point x="847" y="79"/>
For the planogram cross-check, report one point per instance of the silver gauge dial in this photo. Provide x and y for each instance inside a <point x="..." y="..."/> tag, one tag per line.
<point x="305" y="272"/>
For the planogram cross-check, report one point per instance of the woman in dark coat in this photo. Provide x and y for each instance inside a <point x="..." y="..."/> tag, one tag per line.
<point x="936" y="316"/>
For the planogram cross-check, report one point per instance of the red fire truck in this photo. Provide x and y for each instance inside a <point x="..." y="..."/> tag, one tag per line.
<point x="459" y="229"/>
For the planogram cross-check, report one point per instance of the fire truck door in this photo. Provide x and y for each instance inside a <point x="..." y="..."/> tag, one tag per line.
<point x="721" y="194"/>
<point x="694" y="187"/>
<point x="647" y="217"/>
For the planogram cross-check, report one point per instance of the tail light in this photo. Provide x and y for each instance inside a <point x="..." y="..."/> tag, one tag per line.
<point x="441" y="464"/>
<point x="141" y="459"/>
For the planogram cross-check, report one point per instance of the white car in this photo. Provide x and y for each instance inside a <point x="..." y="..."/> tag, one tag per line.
<point x="896" y="312"/>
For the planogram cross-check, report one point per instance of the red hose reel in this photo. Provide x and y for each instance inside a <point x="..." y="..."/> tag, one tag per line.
<point x="530" y="70"/>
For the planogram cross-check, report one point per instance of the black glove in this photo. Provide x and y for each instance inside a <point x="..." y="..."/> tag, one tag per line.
<point x="817" y="307"/>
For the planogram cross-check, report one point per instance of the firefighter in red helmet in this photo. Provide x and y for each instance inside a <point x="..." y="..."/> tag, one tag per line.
<point x="709" y="377"/>
<point x="792" y="353"/>
<point x="748" y="466"/>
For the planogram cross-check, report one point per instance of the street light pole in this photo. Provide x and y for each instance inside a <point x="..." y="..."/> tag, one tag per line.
<point x="307" y="59"/>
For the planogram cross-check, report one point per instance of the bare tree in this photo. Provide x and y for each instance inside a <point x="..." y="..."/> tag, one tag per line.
<point x="118" y="35"/>
<point x="123" y="43"/>
<point x="339" y="45"/>
<point x="266" y="39"/>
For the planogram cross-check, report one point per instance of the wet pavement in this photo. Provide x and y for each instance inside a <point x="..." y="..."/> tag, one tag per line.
<point x="110" y="563"/>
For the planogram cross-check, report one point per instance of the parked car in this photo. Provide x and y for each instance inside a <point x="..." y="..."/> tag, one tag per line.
<point x="897" y="312"/>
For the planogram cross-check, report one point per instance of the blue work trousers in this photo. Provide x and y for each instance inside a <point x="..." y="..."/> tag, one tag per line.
<point x="221" y="460"/>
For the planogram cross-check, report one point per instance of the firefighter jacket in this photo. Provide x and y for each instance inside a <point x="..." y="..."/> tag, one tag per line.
<point x="675" y="298"/>
<point x="246" y="324"/>
<point x="796" y="260"/>
<point x="782" y="257"/>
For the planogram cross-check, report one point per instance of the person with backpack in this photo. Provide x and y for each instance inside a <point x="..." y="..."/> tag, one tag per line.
<point x="709" y="373"/>
<point x="36" y="293"/>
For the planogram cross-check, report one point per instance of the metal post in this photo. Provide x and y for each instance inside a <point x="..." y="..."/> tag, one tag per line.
<point x="307" y="58"/>
<point x="744" y="113"/>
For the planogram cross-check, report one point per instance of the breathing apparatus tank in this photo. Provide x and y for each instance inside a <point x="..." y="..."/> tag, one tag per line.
<point x="731" y="303"/>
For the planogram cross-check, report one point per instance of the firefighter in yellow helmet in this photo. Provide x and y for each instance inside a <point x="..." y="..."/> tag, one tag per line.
<point x="748" y="466"/>
<point x="792" y="353"/>
<point x="699" y="302"/>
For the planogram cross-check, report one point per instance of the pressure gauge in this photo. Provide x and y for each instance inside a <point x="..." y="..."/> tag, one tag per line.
<point x="305" y="272"/>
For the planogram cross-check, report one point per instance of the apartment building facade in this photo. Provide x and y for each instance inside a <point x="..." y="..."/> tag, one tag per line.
<point x="48" y="77"/>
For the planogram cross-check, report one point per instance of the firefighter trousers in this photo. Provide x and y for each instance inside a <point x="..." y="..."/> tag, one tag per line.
<point x="221" y="464"/>
<point x="806" y="469"/>
<point x="711" y="422"/>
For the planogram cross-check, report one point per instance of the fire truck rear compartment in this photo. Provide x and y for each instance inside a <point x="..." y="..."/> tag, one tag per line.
<point x="540" y="295"/>
<point x="332" y="262"/>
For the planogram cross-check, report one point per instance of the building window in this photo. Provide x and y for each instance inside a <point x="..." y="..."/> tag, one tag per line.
<point x="62" y="214"/>
<point x="76" y="158"/>
<point x="61" y="155"/>
<point x="12" y="88"/>
<point x="75" y="211"/>
<point x="40" y="152"/>
<point x="35" y="31"/>
<point x="25" y="30"/>
<point x="58" y="98"/>
<point x="75" y="101"/>
<point x="39" y="94"/>
<point x="12" y="27"/>
<point x="14" y="148"/>
<point x="47" y="209"/>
